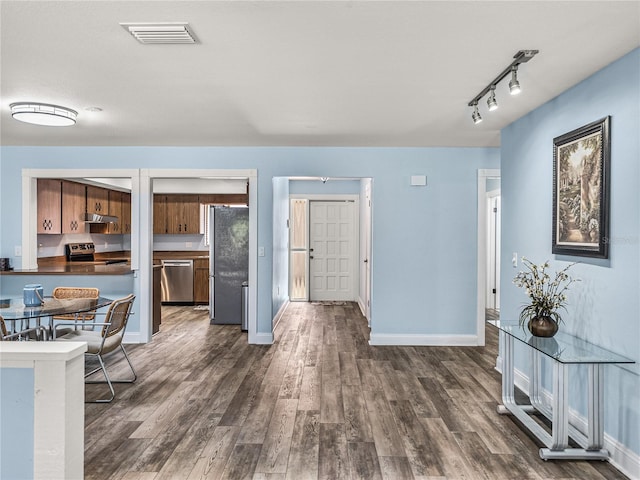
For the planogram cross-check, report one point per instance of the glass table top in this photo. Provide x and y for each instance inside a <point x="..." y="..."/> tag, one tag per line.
<point x="562" y="347"/>
<point x="13" y="308"/>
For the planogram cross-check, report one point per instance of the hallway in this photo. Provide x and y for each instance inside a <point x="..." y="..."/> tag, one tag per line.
<point x="319" y="403"/>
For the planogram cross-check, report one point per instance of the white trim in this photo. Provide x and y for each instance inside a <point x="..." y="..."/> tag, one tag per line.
<point x="625" y="460"/>
<point x="280" y="313"/>
<point x="423" y="340"/>
<point x="135" y="337"/>
<point x="326" y="197"/>
<point x="363" y="309"/>
<point x="483" y="174"/>
<point x="252" y="176"/>
<point x="262" y="339"/>
<point x="58" y="404"/>
<point x="142" y="227"/>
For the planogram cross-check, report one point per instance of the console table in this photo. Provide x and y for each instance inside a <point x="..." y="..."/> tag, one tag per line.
<point x="564" y="350"/>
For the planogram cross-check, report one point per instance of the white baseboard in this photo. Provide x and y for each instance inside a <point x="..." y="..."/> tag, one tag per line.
<point x="263" y="339"/>
<point x="132" y="337"/>
<point x="423" y="340"/>
<point x="625" y="460"/>
<point x="279" y="315"/>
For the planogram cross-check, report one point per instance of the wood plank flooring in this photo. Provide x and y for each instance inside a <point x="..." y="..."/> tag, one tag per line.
<point x="320" y="403"/>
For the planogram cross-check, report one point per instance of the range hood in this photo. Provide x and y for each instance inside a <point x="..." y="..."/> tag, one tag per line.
<point x="97" y="218"/>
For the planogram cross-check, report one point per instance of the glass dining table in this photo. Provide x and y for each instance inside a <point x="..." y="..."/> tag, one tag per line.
<point x="19" y="318"/>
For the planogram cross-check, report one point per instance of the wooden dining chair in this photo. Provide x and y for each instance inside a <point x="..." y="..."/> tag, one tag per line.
<point x="70" y="293"/>
<point x="104" y="340"/>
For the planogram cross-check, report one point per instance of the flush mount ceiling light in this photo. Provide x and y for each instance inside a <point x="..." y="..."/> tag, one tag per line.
<point x="43" y="114"/>
<point x="522" y="56"/>
<point x="164" y="32"/>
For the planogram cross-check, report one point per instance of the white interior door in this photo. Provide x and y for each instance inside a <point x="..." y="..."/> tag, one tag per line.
<point x="332" y="252"/>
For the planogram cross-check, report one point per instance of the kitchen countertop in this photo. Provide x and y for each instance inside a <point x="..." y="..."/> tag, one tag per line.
<point x="75" y="269"/>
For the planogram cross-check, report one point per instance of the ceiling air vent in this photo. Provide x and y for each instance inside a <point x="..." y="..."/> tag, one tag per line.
<point x="169" y="32"/>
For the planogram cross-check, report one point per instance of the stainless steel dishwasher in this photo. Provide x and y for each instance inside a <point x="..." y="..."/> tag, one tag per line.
<point x="177" y="281"/>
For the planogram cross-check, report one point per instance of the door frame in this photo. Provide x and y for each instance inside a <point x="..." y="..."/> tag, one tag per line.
<point x="146" y="234"/>
<point x="142" y="229"/>
<point x="356" y="244"/>
<point x="482" y="268"/>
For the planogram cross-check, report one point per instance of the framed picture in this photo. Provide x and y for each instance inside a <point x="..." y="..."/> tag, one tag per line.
<point x="581" y="164"/>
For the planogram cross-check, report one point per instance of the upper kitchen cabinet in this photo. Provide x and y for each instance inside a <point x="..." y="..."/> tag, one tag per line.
<point x="97" y="200"/>
<point x="73" y="207"/>
<point x="183" y="214"/>
<point x="126" y="213"/>
<point x="159" y="214"/>
<point x="49" y="206"/>
<point x="176" y="214"/>
<point x="115" y="209"/>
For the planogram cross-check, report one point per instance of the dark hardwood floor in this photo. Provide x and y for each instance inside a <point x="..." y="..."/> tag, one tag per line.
<point x="318" y="403"/>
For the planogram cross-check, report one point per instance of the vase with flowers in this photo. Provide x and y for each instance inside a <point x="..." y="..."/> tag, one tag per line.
<point x="547" y="297"/>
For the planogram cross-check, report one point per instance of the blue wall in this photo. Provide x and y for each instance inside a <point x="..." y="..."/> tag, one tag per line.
<point x="424" y="238"/>
<point x="604" y="307"/>
<point x="16" y="423"/>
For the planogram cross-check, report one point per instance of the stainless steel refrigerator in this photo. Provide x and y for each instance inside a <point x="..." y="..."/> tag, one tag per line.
<point x="228" y="262"/>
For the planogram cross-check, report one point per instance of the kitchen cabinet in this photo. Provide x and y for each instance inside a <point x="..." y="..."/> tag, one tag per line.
<point x="183" y="214"/>
<point x="97" y="200"/>
<point x="156" y="296"/>
<point x="49" y="206"/>
<point x="115" y="209"/>
<point x="73" y="207"/>
<point x="201" y="280"/>
<point x="126" y="213"/>
<point x="113" y="203"/>
<point x="176" y="214"/>
<point x="159" y="214"/>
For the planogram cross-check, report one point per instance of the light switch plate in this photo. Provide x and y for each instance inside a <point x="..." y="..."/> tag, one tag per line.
<point x="261" y="251"/>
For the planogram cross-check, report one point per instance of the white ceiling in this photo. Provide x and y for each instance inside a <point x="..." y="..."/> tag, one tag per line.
<point x="324" y="73"/>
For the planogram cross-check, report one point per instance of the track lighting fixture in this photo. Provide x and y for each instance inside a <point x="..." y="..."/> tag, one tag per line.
<point x="522" y="56"/>
<point x="514" y="84"/>
<point x="492" y="103"/>
<point x="476" y="115"/>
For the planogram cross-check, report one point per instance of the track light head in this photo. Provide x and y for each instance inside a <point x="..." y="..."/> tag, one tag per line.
<point x="475" y="116"/>
<point x="492" y="103"/>
<point x="514" y="85"/>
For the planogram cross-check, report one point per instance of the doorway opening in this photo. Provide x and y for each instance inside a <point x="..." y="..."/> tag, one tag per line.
<point x="328" y="219"/>
<point x="488" y="266"/>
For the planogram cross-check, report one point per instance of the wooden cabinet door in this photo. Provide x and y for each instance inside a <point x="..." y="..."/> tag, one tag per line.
<point x="115" y="209"/>
<point x="49" y="206"/>
<point x="183" y="214"/>
<point x="73" y="207"/>
<point x="160" y="214"/>
<point x="97" y="200"/>
<point x="126" y="213"/>
<point x="201" y="280"/>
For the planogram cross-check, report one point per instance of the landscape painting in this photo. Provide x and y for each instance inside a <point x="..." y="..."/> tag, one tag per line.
<point x="580" y="191"/>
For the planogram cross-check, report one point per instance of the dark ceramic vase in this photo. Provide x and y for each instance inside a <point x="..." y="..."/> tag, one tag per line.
<point x="542" y="326"/>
